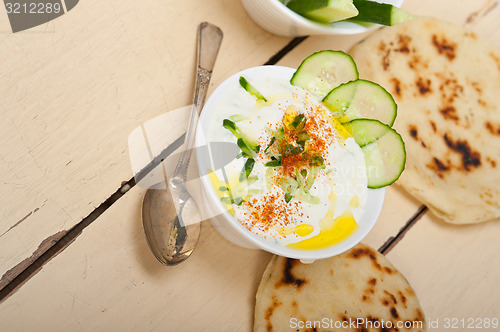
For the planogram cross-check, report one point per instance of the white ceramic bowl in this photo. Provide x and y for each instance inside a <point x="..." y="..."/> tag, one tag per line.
<point x="275" y="17"/>
<point x="231" y="228"/>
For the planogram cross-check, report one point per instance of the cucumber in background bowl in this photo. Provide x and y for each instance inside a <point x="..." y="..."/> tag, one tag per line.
<point x="275" y="17"/>
<point x="363" y="11"/>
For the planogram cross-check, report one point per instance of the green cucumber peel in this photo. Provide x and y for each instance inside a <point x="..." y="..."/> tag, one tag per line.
<point x="248" y="149"/>
<point x="380" y="13"/>
<point x="247" y="169"/>
<point x="251" y="89"/>
<point x="323" y="11"/>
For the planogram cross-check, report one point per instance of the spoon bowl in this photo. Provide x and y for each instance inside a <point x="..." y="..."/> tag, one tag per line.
<point x="170" y="242"/>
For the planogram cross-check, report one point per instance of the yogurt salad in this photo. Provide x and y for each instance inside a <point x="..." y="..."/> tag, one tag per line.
<point x="306" y="153"/>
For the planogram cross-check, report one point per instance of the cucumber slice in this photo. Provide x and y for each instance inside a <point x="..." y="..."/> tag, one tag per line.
<point x="250" y="89"/>
<point x="362" y="99"/>
<point x="323" y="71"/>
<point x="366" y="131"/>
<point x="380" y="13"/>
<point x="324" y="11"/>
<point x="399" y="15"/>
<point x="385" y="157"/>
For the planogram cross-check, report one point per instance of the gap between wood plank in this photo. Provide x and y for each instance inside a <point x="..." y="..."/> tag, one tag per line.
<point x="393" y="240"/>
<point x="481" y="12"/>
<point x="22" y="272"/>
<point x="284" y="51"/>
<point x="31" y="265"/>
<point x="59" y="244"/>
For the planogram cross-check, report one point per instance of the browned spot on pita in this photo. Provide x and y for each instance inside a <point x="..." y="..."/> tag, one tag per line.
<point x="413" y="131"/>
<point x="470" y="158"/>
<point x="492" y="162"/>
<point x="373" y="320"/>
<point x="369" y="291"/>
<point x="444" y="46"/>
<point x="419" y="314"/>
<point x="372" y="281"/>
<point x="476" y="86"/>
<point x="487" y="193"/>
<point x="388" y="270"/>
<point x="450" y="88"/>
<point x="403" y="44"/>
<point x="394" y="313"/>
<point x="482" y="103"/>
<point x="423" y="86"/>
<point x="494" y="129"/>
<point x="413" y="62"/>
<point x="438" y="167"/>
<point x="496" y="59"/>
<point x="449" y="113"/>
<point x="433" y="125"/>
<point x="488" y="198"/>
<point x="402" y="297"/>
<point x="367" y="295"/>
<point x="269" y="312"/>
<point x="396" y="86"/>
<point x="417" y="63"/>
<point x="331" y="272"/>
<point x="385" y="55"/>
<point x="391" y="297"/>
<point x="366" y="252"/>
<point x="288" y="277"/>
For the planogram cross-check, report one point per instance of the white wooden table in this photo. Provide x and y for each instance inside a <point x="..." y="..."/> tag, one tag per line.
<point x="72" y="251"/>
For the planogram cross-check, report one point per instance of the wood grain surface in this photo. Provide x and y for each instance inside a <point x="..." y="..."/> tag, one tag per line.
<point x="72" y="95"/>
<point x="74" y="89"/>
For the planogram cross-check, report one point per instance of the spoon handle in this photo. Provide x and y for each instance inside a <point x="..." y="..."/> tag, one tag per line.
<point x="209" y="41"/>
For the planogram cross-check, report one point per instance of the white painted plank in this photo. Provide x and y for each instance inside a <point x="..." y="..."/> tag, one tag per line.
<point x="71" y="96"/>
<point x="454" y="269"/>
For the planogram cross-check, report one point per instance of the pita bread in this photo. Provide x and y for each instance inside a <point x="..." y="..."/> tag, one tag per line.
<point x="335" y="292"/>
<point x="446" y="82"/>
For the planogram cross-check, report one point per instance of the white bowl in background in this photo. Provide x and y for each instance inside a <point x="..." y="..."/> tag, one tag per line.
<point x="275" y="17"/>
<point x="230" y="227"/>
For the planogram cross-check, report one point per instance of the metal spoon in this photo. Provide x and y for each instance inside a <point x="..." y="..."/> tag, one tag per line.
<point x="171" y="235"/>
